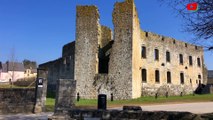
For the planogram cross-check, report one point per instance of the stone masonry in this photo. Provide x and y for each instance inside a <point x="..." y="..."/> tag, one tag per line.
<point x="128" y="62"/>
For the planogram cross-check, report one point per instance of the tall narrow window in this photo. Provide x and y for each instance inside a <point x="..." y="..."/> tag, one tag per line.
<point x="199" y="76"/>
<point x="167" y="56"/>
<point x="181" y="78"/>
<point x="68" y="63"/>
<point x="181" y="59"/>
<point x="143" y="52"/>
<point x="156" y="54"/>
<point x="157" y="76"/>
<point x="198" y="62"/>
<point x="168" y="77"/>
<point x="143" y="73"/>
<point x="190" y="60"/>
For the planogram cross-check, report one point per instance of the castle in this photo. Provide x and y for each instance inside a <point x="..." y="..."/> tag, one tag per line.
<point x="128" y="62"/>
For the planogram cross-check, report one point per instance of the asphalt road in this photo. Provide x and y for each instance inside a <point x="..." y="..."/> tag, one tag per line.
<point x="201" y="107"/>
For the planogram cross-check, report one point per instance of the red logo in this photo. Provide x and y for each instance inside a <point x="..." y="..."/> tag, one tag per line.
<point x="192" y="6"/>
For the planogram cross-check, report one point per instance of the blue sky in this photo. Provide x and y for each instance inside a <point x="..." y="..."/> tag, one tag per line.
<point x="37" y="29"/>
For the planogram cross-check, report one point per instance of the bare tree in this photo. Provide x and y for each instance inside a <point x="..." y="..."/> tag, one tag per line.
<point x="12" y="66"/>
<point x="199" y="22"/>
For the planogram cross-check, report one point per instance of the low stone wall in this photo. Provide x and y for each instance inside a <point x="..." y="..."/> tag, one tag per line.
<point x="126" y="115"/>
<point x="103" y="85"/>
<point x="65" y="95"/>
<point x="173" y="90"/>
<point x="17" y="100"/>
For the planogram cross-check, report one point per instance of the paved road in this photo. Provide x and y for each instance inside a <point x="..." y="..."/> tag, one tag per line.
<point x="201" y="107"/>
<point x="42" y="116"/>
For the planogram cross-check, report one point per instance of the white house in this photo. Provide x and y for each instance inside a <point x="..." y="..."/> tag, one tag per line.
<point x="11" y="71"/>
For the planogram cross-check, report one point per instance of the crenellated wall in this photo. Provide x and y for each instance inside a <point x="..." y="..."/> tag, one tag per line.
<point x="153" y="41"/>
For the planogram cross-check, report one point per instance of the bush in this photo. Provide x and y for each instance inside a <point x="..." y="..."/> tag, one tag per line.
<point x="30" y="82"/>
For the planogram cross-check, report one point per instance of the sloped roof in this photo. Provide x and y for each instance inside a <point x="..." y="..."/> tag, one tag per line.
<point x="12" y="66"/>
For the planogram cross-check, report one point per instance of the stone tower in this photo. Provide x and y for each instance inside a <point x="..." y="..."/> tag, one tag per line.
<point x="86" y="49"/>
<point x="123" y="57"/>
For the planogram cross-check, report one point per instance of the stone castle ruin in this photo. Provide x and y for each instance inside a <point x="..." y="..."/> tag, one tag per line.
<point x="128" y="62"/>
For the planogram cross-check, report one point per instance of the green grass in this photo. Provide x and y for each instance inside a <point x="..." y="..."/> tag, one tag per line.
<point x="85" y="103"/>
<point x="50" y="104"/>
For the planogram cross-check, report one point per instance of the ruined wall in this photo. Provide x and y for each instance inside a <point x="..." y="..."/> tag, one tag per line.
<point x="68" y="56"/>
<point x="136" y="55"/>
<point x="191" y="72"/>
<point x="120" y="65"/>
<point x="103" y="85"/>
<point x="86" y="49"/>
<point x="106" y="36"/>
<point x="17" y="100"/>
<point x="53" y="68"/>
<point x="62" y="68"/>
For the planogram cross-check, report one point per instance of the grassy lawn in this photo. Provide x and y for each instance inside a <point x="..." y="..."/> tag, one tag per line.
<point x="83" y="103"/>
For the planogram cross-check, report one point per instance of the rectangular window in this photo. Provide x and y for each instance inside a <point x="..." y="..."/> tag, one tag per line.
<point x="198" y="62"/>
<point x="181" y="78"/>
<point x="181" y="59"/>
<point x="168" y="77"/>
<point x="190" y="60"/>
<point x="143" y="52"/>
<point x="157" y="76"/>
<point x="156" y="54"/>
<point x="143" y="73"/>
<point x="167" y="56"/>
<point x="199" y="76"/>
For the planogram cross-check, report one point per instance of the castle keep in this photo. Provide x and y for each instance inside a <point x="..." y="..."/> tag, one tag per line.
<point x="128" y="62"/>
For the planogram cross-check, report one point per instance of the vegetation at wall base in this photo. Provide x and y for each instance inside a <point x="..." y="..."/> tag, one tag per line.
<point x="85" y="103"/>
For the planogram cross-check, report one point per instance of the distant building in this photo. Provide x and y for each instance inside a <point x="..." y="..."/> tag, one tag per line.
<point x="30" y="73"/>
<point x="12" y="71"/>
<point x="210" y="77"/>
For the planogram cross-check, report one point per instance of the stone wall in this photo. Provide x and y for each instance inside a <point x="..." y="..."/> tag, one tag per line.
<point x="106" y="36"/>
<point x="126" y="115"/>
<point x="17" y="100"/>
<point x="103" y="85"/>
<point x="161" y="90"/>
<point x="61" y="68"/>
<point x="102" y="65"/>
<point x="88" y="33"/>
<point x="66" y="94"/>
<point x="153" y="41"/>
